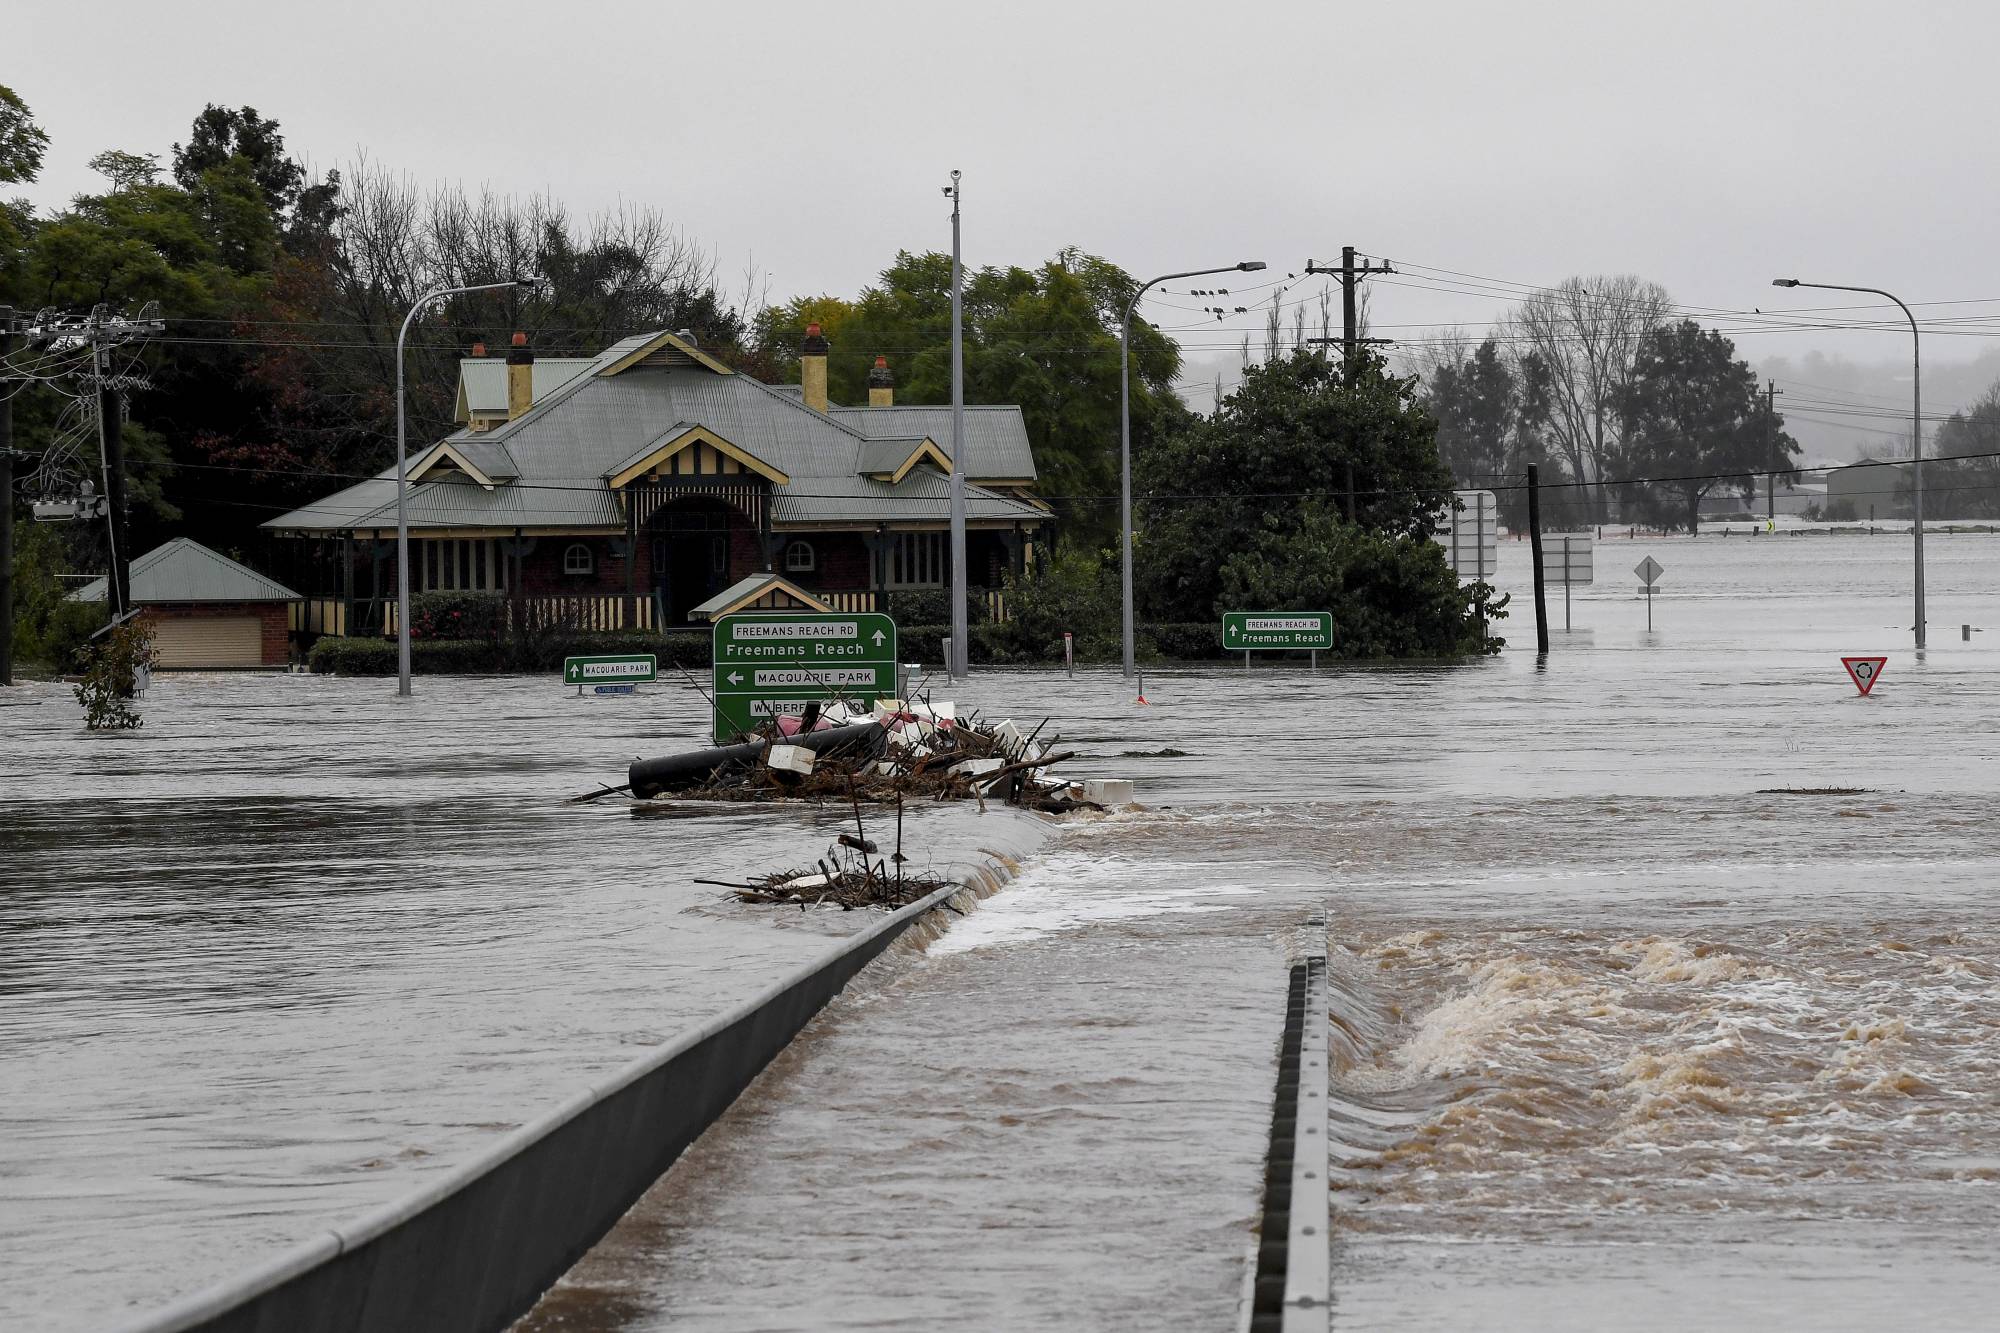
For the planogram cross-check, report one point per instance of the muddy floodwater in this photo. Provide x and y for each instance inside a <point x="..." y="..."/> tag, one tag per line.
<point x="1666" y="983"/>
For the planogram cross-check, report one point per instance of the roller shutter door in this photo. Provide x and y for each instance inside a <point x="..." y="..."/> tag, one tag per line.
<point x="208" y="643"/>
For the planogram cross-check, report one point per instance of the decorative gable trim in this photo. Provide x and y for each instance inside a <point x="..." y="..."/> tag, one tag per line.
<point x="927" y="451"/>
<point x="664" y="342"/>
<point x="697" y="451"/>
<point x="442" y="454"/>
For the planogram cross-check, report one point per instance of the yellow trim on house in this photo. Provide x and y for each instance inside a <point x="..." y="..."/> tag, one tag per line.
<point x="926" y="450"/>
<point x="654" y="344"/>
<point x="440" y="452"/>
<point x="760" y="598"/>
<point x="704" y="462"/>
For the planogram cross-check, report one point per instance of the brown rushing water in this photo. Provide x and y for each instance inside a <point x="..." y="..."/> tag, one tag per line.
<point x="1628" y="1041"/>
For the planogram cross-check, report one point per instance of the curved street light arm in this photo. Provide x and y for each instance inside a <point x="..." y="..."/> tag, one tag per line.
<point x="1125" y="432"/>
<point x="402" y="467"/>
<point x="1916" y="429"/>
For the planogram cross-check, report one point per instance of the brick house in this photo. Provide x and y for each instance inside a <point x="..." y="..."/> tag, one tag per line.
<point x="628" y="489"/>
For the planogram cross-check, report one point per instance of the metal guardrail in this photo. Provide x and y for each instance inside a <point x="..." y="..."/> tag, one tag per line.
<point x="474" y="1250"/>
<point x="1292" y="1284"/>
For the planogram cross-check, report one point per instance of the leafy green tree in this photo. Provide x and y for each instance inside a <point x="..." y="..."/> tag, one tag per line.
<point x="1390" y="596"/>
<point x="1249" y="509"/>
<point x="22" y="142"/>
<point x="1044" y="338"/>
<point x="1691" y="418"/>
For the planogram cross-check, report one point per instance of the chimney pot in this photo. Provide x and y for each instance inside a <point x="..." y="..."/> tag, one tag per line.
<point x="812" y="368"/>
<point x="881" y="384"/>
<point x="479" y="349"/>
<point x="520" y="377"/>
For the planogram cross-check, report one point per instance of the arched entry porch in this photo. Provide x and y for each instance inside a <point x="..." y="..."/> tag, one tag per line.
<point x="696" y="547"/>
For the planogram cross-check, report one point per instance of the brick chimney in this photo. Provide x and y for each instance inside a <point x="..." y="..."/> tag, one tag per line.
<point x="520" y="377"/>
<point x="881" y="384"/>
<point x="812" y="368"/>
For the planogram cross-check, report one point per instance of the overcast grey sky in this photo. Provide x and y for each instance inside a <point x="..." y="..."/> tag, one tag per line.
<point x="1707" y="146"/>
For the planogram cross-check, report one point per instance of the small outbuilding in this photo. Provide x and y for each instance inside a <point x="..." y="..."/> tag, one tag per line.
<point x="760" y="592"/>
<point x="209" y="613"/>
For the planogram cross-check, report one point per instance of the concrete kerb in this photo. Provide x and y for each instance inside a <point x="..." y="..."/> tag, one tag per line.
<point x="474" y="1249"/>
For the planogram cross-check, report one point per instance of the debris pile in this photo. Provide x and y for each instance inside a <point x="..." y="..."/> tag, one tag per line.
<point x="894" y="752"/>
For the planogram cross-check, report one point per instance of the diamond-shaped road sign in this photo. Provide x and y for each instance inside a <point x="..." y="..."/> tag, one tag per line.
<point x="1864" y="671"/>
<point x="1649" y="570"/>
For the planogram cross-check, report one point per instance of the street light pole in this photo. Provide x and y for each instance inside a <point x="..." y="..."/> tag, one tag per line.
<point x="402" y="483"/>
<point x="961" y="659"/>
<point x="1125" y="430"/>
<point x="1916" y="427"/>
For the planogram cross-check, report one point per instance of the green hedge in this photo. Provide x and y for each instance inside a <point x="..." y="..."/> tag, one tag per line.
<point x="988" y="645"/>
<point x="458" y="615"/>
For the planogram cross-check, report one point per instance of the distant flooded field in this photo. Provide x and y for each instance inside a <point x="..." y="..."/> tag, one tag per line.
<point x="1666" y="975"/>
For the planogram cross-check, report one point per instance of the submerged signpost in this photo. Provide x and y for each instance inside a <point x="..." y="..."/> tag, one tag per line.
<point x="1567" y="560"/>
<point x="612" y="674"/>
<point x="1649" y="571"/>
<point x="774" y="664"/>
<point x="1277" y="631"/>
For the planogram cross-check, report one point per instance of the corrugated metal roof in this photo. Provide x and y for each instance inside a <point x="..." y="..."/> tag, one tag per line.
<point x="922" y="497"/>
<point x="593" y="425"/>
<point x="186" y="571"/>
<point x="482" y="381"/>
<point x="996" y="437"/>
<point x="888" y="455"/>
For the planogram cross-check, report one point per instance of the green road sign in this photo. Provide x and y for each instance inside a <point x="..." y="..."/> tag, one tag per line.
<point x="624" y="669"/>
<point x="774" y="663"/>
<point x="1244" y="631"/>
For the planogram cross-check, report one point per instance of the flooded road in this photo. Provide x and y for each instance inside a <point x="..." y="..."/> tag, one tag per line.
<point x="1629" y="1036"/>
<point x="293" y="947"/>
<point x="1626" y="1034"/>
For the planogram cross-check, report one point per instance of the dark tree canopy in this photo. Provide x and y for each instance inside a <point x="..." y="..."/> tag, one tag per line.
<point x="1692" y="417"/>
<point x="1249" y="510"/>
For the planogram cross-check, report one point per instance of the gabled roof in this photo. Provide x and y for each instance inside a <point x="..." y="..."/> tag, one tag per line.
<point x="681" y="436"/>
<point x="893" y="459"/>
<point x="996" y="438"/>
<point x="555" y="464"/>
<point x="482" y="382"/>
<point x="764" y="592"/>
<point x="186" y="571"/>
<point x="485" y="461"/>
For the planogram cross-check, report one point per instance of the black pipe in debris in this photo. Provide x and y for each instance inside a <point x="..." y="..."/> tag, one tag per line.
<point x="675" y="772"/>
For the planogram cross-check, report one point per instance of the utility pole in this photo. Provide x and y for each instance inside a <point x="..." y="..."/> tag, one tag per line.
<point x="1535" y="538"/>
<point x="1350" y="275"/>
<point x="6" y="503"/>
<point x="111" y="454"/>
<point x="1771" y="434"/>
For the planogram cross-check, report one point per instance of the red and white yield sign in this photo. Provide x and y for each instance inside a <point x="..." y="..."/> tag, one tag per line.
<point x="1864" y="671"/>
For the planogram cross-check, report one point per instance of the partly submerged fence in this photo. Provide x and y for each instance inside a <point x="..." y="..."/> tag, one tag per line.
<point x="475" y="1250"/>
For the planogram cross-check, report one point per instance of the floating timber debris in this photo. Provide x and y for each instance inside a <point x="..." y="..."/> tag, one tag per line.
<point x="895" y="751"/>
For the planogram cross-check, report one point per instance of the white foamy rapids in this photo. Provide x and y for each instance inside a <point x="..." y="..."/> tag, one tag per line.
<point x="1550" y="1073"/>
<point x="1070" y="891"/>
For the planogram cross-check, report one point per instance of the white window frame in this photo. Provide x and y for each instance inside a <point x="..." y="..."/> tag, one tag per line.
<point x="570" y="567"/>
<point x="800" y="558"/>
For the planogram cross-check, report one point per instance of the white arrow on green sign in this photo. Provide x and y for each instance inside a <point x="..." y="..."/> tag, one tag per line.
<point x="622" y="669"/>
<point x="772" y="664"/>
<point x="1252" y="631"/>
